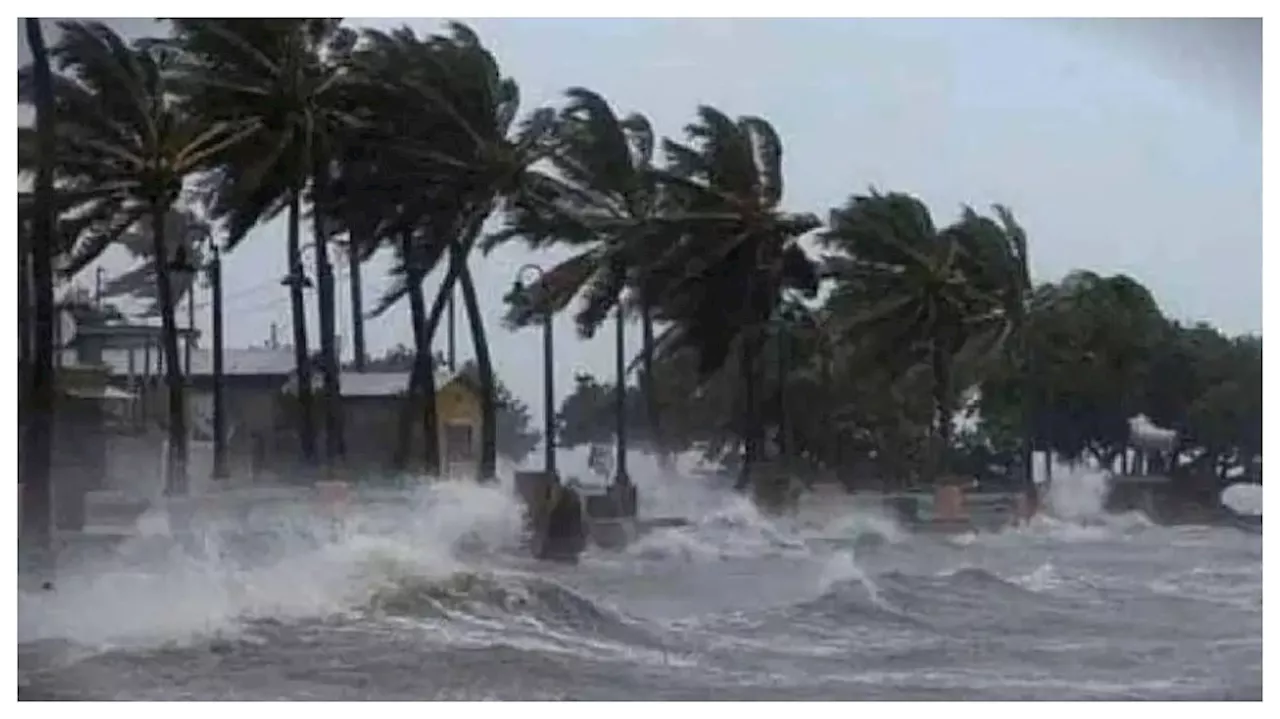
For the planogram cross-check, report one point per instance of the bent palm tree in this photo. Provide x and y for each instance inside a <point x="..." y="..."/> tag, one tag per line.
<point x="37" y="457"/>
<point x="275" y="78"/>
<point x="187" y="235"/>
<point x="449" y="114"/>
<point x="942" y="301"/>
<point x="735" y="252"/>
<point x="123" y="148"/>
<point x="598" y="198"/>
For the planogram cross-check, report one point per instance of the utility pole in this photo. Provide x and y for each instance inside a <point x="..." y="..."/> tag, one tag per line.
<point x="97" y="287"/>
<point x="219" y="408"/>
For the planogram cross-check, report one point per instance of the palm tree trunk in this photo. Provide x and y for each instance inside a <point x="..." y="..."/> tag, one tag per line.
<point x="484" y="366"/>
<point x="750" y="426"/>
<point x="357" y="303"/>
<point x="24" y="307"/>
<point x="301" y="355"/>
<point x="1030" y="402"/>
<point x="941" y="366"/>
<point x="333" y="434"/>
<point x="422" y="381"/>
<point x="650" y="383"/>
<point x="37" y="446"/>
<point x="443" y="301"/>
<point x="426" y="384"/>
<point x="176" y="461"/>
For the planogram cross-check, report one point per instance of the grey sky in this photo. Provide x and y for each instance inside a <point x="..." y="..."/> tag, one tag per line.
<point x="1122" y="146"/>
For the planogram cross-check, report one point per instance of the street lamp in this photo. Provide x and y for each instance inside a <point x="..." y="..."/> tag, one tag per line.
<point x="622" y="479"/>
<point x="519" y="294"/>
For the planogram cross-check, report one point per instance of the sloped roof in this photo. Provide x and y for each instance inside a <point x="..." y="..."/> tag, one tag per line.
<point x="376" y="384"/>
<point x="373" y="384"/>
<point x="252" y="361"/>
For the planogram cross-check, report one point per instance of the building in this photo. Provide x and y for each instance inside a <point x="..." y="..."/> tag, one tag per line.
<point x="138" y="345"/>
<point x="261" y="428"/>
<point x="257" y="439"/>
<point x="374" y="406"/>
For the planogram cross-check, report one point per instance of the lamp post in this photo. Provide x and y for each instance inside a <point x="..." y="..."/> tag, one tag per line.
<point x="621" y="479"/>
<point x="519" y="290"/>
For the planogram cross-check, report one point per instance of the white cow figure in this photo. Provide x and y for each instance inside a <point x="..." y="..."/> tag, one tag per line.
<point x="1146" y="436"/>
<point x="1149" y="439"/>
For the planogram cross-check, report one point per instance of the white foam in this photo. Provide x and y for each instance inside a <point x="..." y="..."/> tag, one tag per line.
<point x="1243" y="498"/>
<point x="174" y="595"/>
<point x="1078" y="495"/>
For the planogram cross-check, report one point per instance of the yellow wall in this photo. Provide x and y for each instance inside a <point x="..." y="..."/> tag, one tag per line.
<point x="456" y="403"/>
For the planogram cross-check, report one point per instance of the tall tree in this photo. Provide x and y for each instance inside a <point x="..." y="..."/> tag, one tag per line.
<point x="1091" y="341"/>
<point x="924" y="298"/>
<point x="282" y="80"/>
<point x="187" y="235"/>
<point x="37" y="497"/>
<point x="599" y="198"/>
<point x="124" y="146"/>
<point x="450" y="116"/>
<point x="734" y="255"/>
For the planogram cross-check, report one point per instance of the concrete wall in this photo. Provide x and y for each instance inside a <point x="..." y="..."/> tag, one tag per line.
<point x="134" y="466"/>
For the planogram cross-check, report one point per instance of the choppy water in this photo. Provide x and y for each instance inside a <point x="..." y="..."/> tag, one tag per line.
<point x="435" y="601"/>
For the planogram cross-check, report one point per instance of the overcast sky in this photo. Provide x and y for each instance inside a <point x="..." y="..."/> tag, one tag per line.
<point x="1121" y="145"/>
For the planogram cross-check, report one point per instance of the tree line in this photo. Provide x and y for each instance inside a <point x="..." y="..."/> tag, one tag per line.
<point x="411" y="144"/>
<point x="1097" y="351"/>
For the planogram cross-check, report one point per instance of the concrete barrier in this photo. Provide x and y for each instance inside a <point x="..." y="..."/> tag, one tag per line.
<point x="334" y="496"/>
<point x="949" y="505"/>
<point x="532" y="488"/>
<point x="554" y="515"/>
<point x="1025" y="507"/>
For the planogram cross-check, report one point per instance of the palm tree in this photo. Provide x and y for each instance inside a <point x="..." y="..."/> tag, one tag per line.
<point x="187" y="235"/>
<point x="733" y="255"/>
<point x="37" y="497"/>
<point x="378" y="210"/>
<point x="123" y="148"/>
<point x="599" y="198"/>
<point x="999" y="270"/>
<point x="283" y="80"/>
<point x="448" y="114"/>
<point x="942" y="300"/>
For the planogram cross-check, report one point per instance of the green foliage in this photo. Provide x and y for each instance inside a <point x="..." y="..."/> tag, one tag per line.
<point x="124" y="144"/>
<point x="416" y="141"/>
<point x="923" y="299"/>
<point x="1101" y="352"/>
<point x="585" y="416"/>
